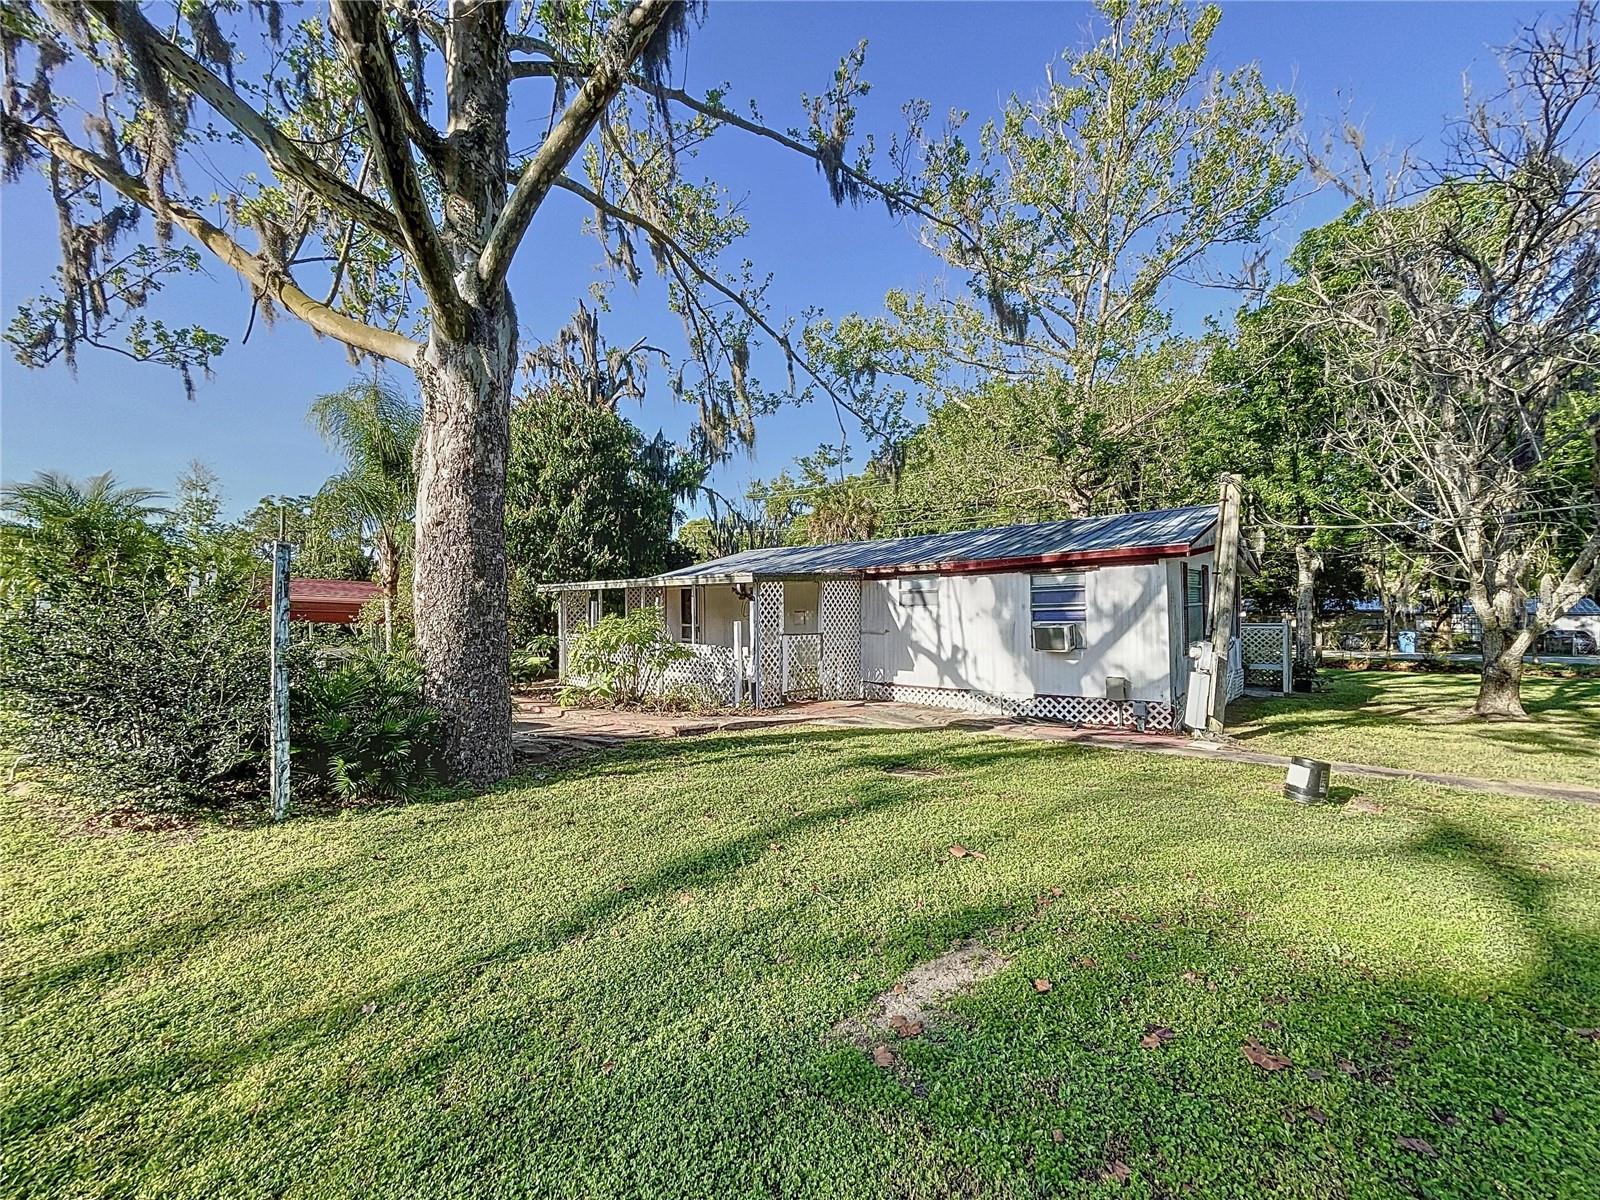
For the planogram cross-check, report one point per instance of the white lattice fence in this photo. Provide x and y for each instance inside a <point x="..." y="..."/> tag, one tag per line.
<point x="802" y="660"/>
<point x="1072" y="710"/>
<point x="651" y="596"/>
<point x="574" y="618"/>
<point x="1266" y="657"/>
<point x="840" y="622"/>
<point x="769" y="668"/>
<point x="706" y="676"/>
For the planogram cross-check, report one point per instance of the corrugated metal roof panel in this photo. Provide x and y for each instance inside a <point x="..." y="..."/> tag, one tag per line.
<point x="358" y="591"/>
<point x="1127" y="531"/>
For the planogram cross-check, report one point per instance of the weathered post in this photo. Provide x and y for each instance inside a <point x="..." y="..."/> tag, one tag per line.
<point x="280" y="678"/>
<point x="738" y="663"/>
<point x="1226" y="597"/>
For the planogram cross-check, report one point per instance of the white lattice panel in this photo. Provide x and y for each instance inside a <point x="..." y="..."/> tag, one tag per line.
<point x="802" y="659"/>
<point x="574" y="619"/>
<point x="769" y="615"/>
<point x="1235" y="670"/>
<point x="1073" y="710"/>
<point x="1264" y="643"/>
<point x="654" y="597"/>
<point x="705" y="677"/>
<point x="1266" y="650"/>
<point x="630" y="598"/>
<point x="840" y="622"/>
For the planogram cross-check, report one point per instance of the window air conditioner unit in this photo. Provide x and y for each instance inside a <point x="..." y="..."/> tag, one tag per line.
<point x="1058" y="637"/>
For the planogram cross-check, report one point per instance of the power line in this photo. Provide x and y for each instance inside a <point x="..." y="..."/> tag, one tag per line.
<point x="1424" y="522"/>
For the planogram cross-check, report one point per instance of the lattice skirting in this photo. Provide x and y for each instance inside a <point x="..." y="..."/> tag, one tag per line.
<point x="1074" y="710"/>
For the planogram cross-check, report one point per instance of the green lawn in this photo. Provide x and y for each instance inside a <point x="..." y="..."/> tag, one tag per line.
<point x="620" y="980"/>
<point x="1423" y="723"/>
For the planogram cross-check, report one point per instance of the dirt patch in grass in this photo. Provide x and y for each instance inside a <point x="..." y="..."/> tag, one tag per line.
<point x="915" y="1002"/>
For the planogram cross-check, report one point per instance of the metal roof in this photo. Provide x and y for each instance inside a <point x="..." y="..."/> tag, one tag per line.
<point x="359" y="591"/>
<point x="1166" y="529"/>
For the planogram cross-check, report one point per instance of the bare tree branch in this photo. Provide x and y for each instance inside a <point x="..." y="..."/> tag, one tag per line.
<point x="287" y="160"/>
<point x="359" y="28"/>
<point x="278" y="285"/>
<point x="682" y="256"/>
<point x="624" y="42"/>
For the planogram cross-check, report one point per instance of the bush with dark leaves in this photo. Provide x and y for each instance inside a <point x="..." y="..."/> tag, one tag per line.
<point x="142" y="695"/>
<point x="362" y="731"/>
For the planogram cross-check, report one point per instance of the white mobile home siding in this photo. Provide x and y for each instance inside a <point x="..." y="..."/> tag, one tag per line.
<point x="978" y="636"/>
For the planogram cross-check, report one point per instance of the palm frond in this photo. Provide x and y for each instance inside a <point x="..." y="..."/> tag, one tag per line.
<point x="376" y="427"/>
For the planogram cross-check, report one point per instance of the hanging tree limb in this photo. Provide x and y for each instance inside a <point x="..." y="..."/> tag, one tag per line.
<point x="275" y="283"/>
<point x="897" y="199"/>
<point x="359" y="29"/>
<point x="286" y="158"/>
<point x="622" y="46"/>
<point x="674" y="248"/>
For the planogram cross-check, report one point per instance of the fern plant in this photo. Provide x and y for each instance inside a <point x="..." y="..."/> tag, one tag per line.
<point x="364" y="732"/>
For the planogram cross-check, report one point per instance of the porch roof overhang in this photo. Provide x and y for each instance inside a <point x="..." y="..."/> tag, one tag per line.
<point x="689" y="578"/>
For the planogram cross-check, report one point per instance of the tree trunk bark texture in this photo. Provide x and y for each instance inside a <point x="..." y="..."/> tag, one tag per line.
<point x="1306" y="563"/>
<point x="460" y="576"/>
<point x="1500" y="686"/>
<point x="460" y="597"/>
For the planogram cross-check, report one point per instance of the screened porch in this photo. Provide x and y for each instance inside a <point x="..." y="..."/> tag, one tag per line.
<point x="761" y="642"/>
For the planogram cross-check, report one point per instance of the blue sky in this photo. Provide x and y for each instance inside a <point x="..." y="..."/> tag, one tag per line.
<point x="1394" y="68"/>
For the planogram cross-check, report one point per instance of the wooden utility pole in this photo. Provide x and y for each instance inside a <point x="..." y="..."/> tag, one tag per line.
<point x="280" y="675"/>
<point x="1225" y="597"/>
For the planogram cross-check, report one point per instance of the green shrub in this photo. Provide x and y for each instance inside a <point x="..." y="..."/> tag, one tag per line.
<point x="362" y="732"/>
<point x="535" y="659"/>
<point x="141" y="694"/>
<point x="623" y="658"/>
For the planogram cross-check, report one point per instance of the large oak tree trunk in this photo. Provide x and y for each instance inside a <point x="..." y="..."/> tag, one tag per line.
<point x="1500" y="687"/>
<point x="1306" y="563"/>
<point x="460" y="576"/>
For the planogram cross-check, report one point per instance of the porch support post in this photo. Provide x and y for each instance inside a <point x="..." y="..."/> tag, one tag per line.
<point x="561" y="635"/>
<point x="738" y="663"/>
<point x="755" y="652"/>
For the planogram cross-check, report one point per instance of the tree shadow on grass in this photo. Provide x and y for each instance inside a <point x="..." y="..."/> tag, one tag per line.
<point x="702" y="869"/>
<point x="1565" y="724"/>
<point x="1400" y="1083"/>
<point x="761" y="1101"/>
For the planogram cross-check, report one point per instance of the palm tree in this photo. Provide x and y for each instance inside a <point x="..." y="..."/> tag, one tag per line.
<point x="376" y="428"/>
<point x="55" y="529"/>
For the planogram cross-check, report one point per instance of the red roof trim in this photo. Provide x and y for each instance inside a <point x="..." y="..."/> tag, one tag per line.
<point x="1123" y="556"/>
